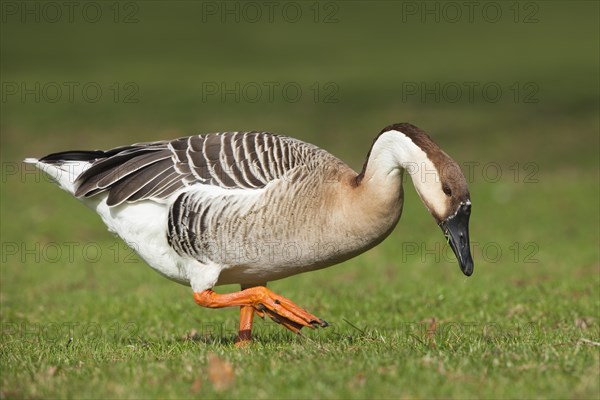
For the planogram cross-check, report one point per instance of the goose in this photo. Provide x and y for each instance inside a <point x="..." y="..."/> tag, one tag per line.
<point x="252" y="207"/>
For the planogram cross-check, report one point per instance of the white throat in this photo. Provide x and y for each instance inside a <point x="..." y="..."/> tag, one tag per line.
<point x="394" y="151"/>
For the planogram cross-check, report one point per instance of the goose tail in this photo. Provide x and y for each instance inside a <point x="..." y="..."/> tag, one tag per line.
<point x="64" y="168"/>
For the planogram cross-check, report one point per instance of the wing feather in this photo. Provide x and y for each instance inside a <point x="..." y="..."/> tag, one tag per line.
<point x="131" y="166"/>
<point x="242" y="160"/>
<point x="125" y="188"/>
<point x="104" y="167"/>
<point x="154" y="182"/>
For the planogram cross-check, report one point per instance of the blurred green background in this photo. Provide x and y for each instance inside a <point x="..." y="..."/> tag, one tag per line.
<point x="508" y="89"/>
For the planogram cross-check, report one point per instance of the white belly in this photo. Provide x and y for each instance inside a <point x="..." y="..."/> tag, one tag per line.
<point x="142" y="226"/>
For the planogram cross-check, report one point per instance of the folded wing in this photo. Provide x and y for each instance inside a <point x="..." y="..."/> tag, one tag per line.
<point x="244" y="160"/>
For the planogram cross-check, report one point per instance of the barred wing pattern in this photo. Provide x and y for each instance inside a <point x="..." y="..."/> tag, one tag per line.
<point x="245" y="160"/>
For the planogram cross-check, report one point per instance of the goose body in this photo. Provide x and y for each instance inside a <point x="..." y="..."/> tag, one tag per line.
<point x="250" y="207"/>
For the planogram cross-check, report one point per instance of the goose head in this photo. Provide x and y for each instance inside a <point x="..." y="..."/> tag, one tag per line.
<point x="438" y="180"/>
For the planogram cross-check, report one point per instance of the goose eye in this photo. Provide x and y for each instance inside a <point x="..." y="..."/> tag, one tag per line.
<point x="447" y="190"/>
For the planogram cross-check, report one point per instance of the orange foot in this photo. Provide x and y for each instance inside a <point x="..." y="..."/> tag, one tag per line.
<point x="261" y="300"/>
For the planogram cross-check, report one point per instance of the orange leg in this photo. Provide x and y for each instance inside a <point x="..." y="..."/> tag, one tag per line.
<point x="263" y="301"/>
<point x="245" y="332"/>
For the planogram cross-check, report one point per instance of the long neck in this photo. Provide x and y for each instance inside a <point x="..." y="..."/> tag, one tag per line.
<point x="392" y="153"/>
<point x="379" y="185"/>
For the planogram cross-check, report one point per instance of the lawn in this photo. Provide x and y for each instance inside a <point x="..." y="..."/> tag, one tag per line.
<point x="513" y="97"/>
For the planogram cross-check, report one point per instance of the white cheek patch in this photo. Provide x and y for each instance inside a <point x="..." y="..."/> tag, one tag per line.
<point x="428" y="185"/>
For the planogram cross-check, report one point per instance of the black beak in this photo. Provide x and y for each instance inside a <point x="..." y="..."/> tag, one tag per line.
<point x="456" y="230"/>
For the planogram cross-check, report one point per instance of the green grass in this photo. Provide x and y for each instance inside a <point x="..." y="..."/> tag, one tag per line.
<point x="82" y="317"/>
